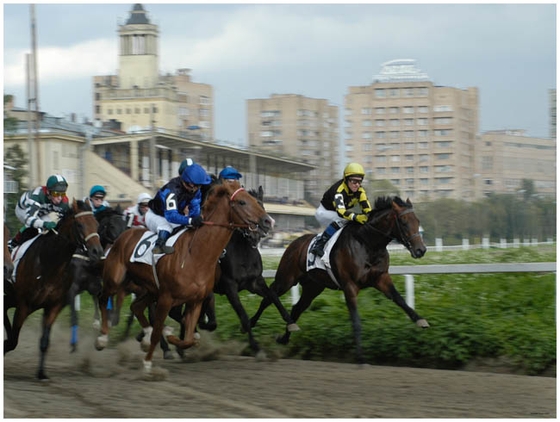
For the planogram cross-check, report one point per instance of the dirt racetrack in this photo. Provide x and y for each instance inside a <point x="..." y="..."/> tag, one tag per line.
<point x="111" y="384"/>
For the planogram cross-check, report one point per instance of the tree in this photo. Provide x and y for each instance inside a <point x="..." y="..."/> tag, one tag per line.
<point x="381" y="187"/>
<point x="10" y="123"/>
<point x="528" y="189"/>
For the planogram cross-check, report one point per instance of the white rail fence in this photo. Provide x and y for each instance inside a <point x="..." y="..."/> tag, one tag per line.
<point x="409" y="270"/>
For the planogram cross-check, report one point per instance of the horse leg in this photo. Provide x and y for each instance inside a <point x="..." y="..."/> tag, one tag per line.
<point x="190" y="319"/>
<point x="138" y="306"/>
<point x="230" y="288"/>
<point x="351" y="295"/>
<point x="162" y="310"/>
<point x="167" y="354"/>
<point x="208" y="310"/>
<point x="20" y="314"/>
<point x="110" y="283"/>
<point x="49" y="316"/>
<point x="387" y="287"/>
<point x="309" y="292"/>
<point x="72" y="294"/>
<point x="264" y="291"/>
<point x="96" y="316"/>
<point x="176" y="313"/>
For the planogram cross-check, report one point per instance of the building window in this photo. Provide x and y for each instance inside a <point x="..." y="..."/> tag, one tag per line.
<point x="409" y="134"/>
<point x="380" y="135"/>
<point x="395" y="122"/>
<point x="395" y="158"/>
<point x="366" y="135"/>
<point x="394" y="134"/>
<point x="422" y="133"/>
<point x="394" y="92"/>
<point x="379" y="123"/>
<point x="379" y="93"/>
<point x="422" y="122"/>
<point x="366" y="122"/>
<point x="440" y="108"/>
<point x="395" y="170"/>
<point x="408" y="110"/>
<point x="409" y="145"/>
<point x="393" y="110"/>
<point x="97" y="109"/>
<point x="380" y="110"/>
<point x="422" y="109"/>
<point x="408" y="122"/>
<point x="444" y="156"/>
<point x="366" y="111"/>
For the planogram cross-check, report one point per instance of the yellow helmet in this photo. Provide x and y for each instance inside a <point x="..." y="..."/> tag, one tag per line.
<point x="354" y="169"/>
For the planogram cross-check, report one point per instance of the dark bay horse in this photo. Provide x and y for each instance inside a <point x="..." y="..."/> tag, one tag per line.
<point x="42" y="278"/>
<point x="359" y="259"/>
<point x="87" y="274"/>
<point x="186" y="276"/>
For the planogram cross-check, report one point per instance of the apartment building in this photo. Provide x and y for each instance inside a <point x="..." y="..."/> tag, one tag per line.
<point x="298" y="126"/>
<point x="419" y="136"/>
<point x="506" y="157"/>
<point x="138" y="97"/>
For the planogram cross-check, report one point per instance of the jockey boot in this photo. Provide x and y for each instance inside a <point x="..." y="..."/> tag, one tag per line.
<point x="318" y="248"/>
<point x="160" y="246"/>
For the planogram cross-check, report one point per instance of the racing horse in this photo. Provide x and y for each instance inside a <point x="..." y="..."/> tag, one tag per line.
<point x="42" y="278"/>
<point x="358" y="259"/>
<point x="239" y="268"/>
<point x="186" y="276"/>
<point x="87" y="275"/>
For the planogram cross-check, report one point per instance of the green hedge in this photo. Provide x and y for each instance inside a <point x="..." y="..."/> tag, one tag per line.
<point x="506" y="316"/>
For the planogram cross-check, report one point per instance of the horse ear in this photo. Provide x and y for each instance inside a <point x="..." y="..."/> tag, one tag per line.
<point x="408" y="201"/>
<point x="118" y="208"/>
<point x="261" y="193"/>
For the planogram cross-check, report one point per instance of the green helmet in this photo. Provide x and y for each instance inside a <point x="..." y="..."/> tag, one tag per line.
<point x="57" y="183"/>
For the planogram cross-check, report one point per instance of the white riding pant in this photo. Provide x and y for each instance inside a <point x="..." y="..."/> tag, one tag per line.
<point x="155" y="223"/>
<point x="326" y="217"/>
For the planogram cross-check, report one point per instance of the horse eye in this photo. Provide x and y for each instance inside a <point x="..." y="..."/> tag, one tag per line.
<point x="242" y="202"/>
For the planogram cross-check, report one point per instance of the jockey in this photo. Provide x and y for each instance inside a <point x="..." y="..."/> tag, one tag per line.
<point x="35" y="206"/>
<point x="335" y="209"/>
<point x="176" y="204"/>
<point x="97" y="195"/>
<point x="135" y="214"/>
<point x="229" y="174"/>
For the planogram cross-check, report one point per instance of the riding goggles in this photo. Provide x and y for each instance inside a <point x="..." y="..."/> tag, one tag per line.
<point x="57" y="194"/>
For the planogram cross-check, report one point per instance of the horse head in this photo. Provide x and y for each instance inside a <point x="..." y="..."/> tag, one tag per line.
<point x="407" y="227"/>
<point x="245" y="211"/>
<point x="254" y="237"/>
<point x="80" y="227"/>
<point x="111" y="225"/>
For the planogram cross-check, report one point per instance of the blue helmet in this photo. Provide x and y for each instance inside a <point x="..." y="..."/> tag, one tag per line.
<point x="196" y="175"/>
<point x="97" y="189"/>
<point x="186" y="162"/>
<point x="229" y="173"/>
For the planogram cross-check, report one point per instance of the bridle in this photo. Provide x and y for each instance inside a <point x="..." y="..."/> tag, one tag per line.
<point x="84" y="239"/>
<point x="231" y="225"/>
<point x="406" y="241"/>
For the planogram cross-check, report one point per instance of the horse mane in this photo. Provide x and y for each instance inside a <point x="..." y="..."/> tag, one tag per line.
<point x="108" y="212"/>
<point x="383" y="203"/>
<point x="215" y="192"/>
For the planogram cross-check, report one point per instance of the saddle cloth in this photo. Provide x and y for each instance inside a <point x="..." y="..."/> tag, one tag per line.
<point x="323" y="263"/>
<point x="143" y="251"/>
<point x="18" y="253"/>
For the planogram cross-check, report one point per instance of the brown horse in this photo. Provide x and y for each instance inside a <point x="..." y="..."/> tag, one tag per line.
<point x="358" y="259"/>
<point x="185" y="277"/>
<point x="42" y="278"/>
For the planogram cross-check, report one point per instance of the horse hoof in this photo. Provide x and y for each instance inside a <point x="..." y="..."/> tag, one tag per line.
<point x="41" y="376"/>
<point x="422" y="323"/>
<point x="73" y="348"/>
<point x="168" y="355"/>
<point x="293" y="327"/>
<point x="147" y="366"/>
<point x="282" y="340"/>
<point x="145" y="345"/>
<point x="96" y="325"/>
<point x="167" y="331"/>
<point x="196" y="336"/>
<point x="101" y="342"/>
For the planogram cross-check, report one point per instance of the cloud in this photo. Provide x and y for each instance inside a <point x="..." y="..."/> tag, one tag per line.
<point x="95" y="57"/>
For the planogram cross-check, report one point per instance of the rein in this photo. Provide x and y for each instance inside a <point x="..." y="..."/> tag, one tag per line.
<point x="230" y="225"/>
<point x="405" y="241"/>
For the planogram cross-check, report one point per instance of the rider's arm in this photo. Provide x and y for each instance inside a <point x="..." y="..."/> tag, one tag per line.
<point x="171" y="210"/>
<point x="32" y="205"/>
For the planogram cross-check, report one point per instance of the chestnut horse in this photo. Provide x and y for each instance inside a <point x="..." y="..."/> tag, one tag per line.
<point x="186" y="276"/>
<point x="358" y="259"/>
<point x="42" y="278"/>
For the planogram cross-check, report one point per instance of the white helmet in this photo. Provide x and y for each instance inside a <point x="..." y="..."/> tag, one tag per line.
<point x="144" y="198"/>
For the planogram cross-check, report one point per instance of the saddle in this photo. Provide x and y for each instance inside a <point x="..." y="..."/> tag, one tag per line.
<point x="143" y="250"/>
<point x="323" y="263"/>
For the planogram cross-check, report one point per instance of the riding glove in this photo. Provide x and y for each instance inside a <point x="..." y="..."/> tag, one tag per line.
<point x="360" y="218"/>
<point x="196" y="221"/>
<point x="49" y="225"/>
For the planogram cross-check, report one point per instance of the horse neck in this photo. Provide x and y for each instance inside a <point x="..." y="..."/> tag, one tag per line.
<point x="383" y="227"/>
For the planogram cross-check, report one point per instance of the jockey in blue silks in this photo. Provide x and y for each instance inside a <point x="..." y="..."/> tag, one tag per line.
<point x="176" y="204"/>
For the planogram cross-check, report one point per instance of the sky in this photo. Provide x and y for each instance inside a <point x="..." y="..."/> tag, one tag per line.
<point x="319" y="50"/>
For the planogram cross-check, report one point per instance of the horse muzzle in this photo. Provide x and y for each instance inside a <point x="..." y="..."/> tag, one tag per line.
<point x="95" y="253"/>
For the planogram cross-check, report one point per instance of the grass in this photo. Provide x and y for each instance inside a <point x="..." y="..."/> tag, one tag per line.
<point x="472" y="316"/>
